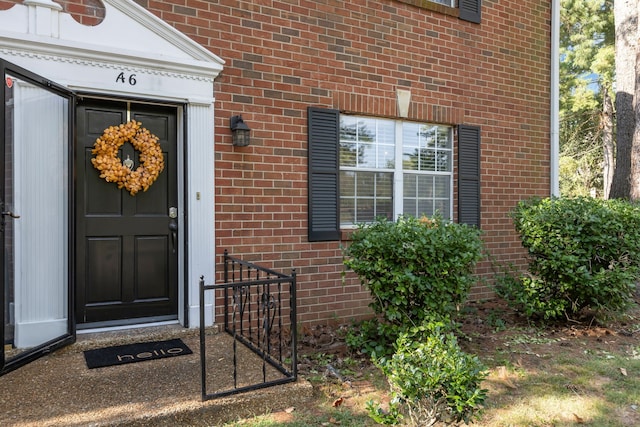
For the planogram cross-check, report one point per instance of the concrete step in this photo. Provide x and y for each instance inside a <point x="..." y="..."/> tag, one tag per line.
<point x="59" y="390"/>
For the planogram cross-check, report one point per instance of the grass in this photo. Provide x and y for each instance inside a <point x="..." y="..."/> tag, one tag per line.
<point x="560" y="376"/>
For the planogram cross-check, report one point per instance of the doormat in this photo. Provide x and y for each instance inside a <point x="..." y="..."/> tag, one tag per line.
<point x="131" y="353"/>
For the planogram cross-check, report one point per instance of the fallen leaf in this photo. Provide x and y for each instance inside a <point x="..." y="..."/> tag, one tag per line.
<point x="290" y="410"/>
<point x="578" y="419"/>
<point x="338" y="402"/>
<point x="334" y="421"/>
<point x="623" y="372"/>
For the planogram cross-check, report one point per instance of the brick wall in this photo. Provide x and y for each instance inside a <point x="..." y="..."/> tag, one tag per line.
<point x="283" y="56"/>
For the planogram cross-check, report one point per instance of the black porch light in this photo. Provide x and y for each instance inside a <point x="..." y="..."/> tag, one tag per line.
<point x="240" y="131"/>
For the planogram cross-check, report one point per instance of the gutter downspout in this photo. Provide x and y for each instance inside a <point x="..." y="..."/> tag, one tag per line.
<point x="555" y="97"/>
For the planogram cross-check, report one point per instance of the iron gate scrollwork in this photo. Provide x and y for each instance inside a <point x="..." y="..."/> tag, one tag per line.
<point x="259" y="312"/>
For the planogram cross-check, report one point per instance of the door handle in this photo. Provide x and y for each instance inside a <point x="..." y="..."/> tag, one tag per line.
<point x="11" y="214"/>
<point x="173" y="227"/>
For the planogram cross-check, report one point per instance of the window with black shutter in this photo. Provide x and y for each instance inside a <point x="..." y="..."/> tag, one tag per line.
<point x="422" y="194"/>
<point x="324" y="190"/>
<point x="469" y="175"/>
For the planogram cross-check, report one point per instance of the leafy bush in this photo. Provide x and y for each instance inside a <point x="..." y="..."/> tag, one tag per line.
<point x="585" y="254"/>
<point x="414" y="268"/>
<point x="431" y="379"/>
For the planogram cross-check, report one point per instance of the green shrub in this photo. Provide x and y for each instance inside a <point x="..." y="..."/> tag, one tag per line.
<point x="431" y="379"/>
<point x="414" y="269"/>
<point x="584" y="254"/>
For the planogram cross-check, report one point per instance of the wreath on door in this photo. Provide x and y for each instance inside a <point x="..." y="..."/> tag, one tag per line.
<point x="113" y="169"/>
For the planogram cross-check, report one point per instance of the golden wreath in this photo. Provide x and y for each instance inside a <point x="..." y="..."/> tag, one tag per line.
<point x="112" y="168"/>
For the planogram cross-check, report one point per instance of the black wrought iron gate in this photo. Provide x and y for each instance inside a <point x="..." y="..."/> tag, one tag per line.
<point x="259" y="313"/>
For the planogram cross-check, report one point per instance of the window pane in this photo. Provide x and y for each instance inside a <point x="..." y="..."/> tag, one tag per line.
<point x="441" y="187"/>
<point x="348" y="128"/>
<point x="410" y="158"/>
<point x="365" y="210"/>
<point x="444" y="161"/>
<point x="348" y="146"/>
<point x="425" y="184"/>
<point x="348" y="153"/>
<point x="425" y="194"/>
<point x="427" y="160"/>
<point x="409" y="186"/>
<point x="410" y="207"/>
<point x="365" y="184"/>
<point x="367" y="143"/>
<point x="444" y="137"/>
<point x="367" y="155"/>
<point x="371" y="196"/>
<point x="384" y="208"/>
<point x="366" y="130"/>
<point x="410" y="146"/>
<point x="347" y="211"/>
<point x="442" y="207"/>
<point x="386" y="157"/>
<point x="426" y="148"/>
<point x="384" y="185"/>
<point x="347" y="184"/>
<point x="428" y="136"/>
<point x="425" y="207"/>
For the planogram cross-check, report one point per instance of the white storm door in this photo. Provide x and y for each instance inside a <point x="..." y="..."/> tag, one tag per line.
<point x="35" y="215"/>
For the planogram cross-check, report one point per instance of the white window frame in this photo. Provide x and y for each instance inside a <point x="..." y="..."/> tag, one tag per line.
<point x="450" y="3"/>
<point x="398" y="172"/>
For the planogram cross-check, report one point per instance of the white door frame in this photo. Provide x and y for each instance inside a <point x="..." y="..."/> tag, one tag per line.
<point x="153" y="61"/>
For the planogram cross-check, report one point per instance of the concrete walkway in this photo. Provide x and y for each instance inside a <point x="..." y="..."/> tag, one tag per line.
<point x="59" y="389"/>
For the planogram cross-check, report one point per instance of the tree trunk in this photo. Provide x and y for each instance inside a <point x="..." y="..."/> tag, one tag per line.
<point x="635" y="149"/>
<point x="607" y="141"/>
<point x="626" y="23"/>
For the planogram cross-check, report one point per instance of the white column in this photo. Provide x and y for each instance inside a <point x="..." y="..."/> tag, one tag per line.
<point x="199" y="199"/>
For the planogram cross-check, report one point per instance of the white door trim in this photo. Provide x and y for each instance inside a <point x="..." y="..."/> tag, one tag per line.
<point x="149" y="60"/>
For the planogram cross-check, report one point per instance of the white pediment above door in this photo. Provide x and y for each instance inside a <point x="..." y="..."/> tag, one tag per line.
<point x="37" y="35"/>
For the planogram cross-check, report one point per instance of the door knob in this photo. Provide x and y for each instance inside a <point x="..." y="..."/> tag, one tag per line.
<point x="173" y="227"/>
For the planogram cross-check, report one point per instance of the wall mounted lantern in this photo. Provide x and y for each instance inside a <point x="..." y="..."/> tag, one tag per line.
<point x="240" y="132"/>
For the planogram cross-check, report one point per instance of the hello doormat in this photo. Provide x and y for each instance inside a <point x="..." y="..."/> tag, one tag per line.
<point x="131" y="353"/>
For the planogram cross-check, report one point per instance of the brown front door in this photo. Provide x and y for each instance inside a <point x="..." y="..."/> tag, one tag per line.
<point x="126" y="246"/>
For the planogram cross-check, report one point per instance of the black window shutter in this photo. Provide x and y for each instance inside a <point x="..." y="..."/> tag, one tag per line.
<point x="469" y="175"/>
<point x="324" y="173"/>
<point x="470" y="10"/>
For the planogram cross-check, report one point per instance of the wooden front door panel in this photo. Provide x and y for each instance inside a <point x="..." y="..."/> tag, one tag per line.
<point x="126" y="256"/>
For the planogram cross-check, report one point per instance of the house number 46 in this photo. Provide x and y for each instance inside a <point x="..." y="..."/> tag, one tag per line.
<point x="122" y="78"/>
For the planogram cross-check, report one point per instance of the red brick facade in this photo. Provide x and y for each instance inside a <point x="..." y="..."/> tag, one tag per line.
<point x="284" y="56"/>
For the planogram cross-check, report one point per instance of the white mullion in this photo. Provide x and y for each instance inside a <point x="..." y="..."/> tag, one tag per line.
<point x="450" y="145"/>
<point x="356" y="199"/>
<point x="398" y="173"/>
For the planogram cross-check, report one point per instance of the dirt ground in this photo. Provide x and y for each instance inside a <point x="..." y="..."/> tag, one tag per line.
<point x="502" y="338"/>
<point x="485" y="327"/>
<point x="488" y="326"/>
